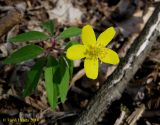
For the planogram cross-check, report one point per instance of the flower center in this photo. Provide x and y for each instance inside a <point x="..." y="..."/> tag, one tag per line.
<point x="92" y="51"/>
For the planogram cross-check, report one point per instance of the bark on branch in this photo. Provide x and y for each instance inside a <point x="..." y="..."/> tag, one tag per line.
<point x="117" y="82"/>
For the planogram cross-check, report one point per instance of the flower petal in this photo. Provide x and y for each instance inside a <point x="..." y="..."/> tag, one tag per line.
<point x="88" y="36"/>
<point x="109" y="56"/>
<point x="76" y="52"/>
<point x="106" y="36"/>
<point x="91" y="68"/>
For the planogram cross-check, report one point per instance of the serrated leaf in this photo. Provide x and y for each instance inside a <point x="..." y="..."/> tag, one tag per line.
<point x="51" y="88"/>
<point x="33" y="75"/>
<point x="25" y="53"/>
<point x="70" y="43"/>
<point x="70" y="32"/>
<point x="32" y="35"/>
<point x="49" y="26"/>
<point x="64" y="85"/>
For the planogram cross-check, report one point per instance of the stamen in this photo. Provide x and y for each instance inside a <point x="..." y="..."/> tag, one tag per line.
<point x="93" y="51"/>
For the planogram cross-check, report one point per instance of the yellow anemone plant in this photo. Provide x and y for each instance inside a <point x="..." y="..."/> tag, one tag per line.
<point x="93" y="50"/>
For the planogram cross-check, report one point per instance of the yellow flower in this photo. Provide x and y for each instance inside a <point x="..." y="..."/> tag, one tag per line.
<point x="93" y="49"/>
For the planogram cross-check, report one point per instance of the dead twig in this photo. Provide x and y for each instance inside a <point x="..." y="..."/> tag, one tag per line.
<point x="132" y="119"/>
<point x="76" y="77"/>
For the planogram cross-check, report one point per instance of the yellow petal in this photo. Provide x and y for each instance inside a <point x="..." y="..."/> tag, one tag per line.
<point x="88" y="36"/>
<point x="108" y="56"/>
<point x="91" y="68"/>
<point x="76" y="52"/>
<point x="106" y="36"/>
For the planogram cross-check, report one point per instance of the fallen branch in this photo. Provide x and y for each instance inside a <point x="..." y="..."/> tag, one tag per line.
<point x="117" y="82"/>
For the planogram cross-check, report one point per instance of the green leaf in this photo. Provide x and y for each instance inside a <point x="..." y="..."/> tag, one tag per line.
<point x="49" y="26"/>
<point x="64" y="85"/>
<point x="23" y="54"/>
<point x="60" y="71"/>
<point x="61" y="78"/>
<point x="70" y="66"/>
<point x="57" y="75"/>
<point x="32" y="35"/>
<point x="70" y="62"/>
<point x="32" y="76"/>
<point x="70" y="32"/>
<point x="71" y="43"/>
<point x="51" y="88"/>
